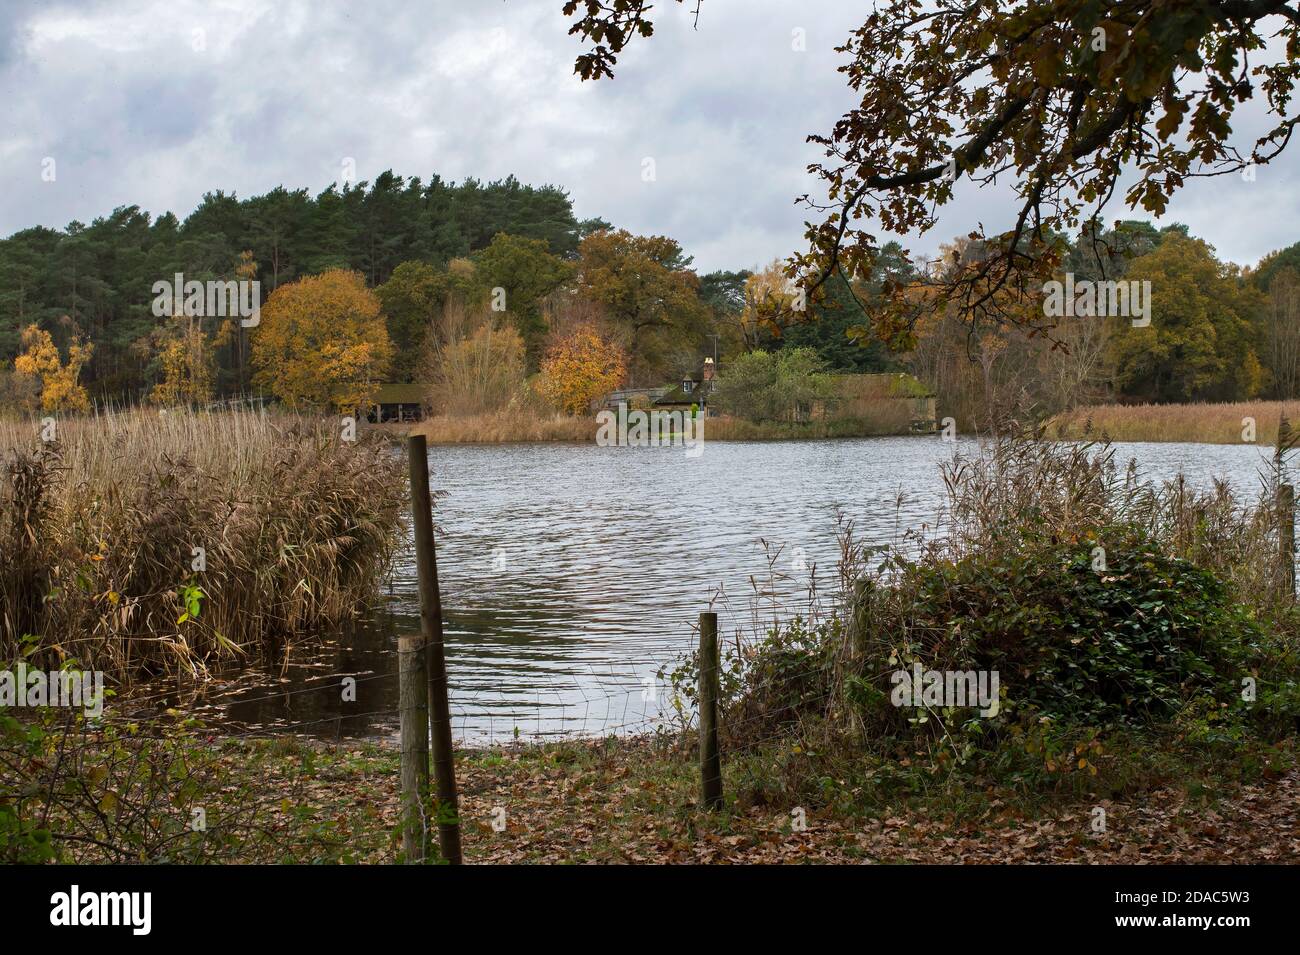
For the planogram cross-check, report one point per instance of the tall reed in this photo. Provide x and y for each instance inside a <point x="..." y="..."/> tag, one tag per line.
<point x="147" y="542"/>
<point x="1224" y="423"/>
<point x="1017" y="489"/>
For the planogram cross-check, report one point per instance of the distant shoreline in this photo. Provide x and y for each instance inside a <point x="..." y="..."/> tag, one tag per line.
<point x="504" y="428"/>
<point x="1240" y="422"/>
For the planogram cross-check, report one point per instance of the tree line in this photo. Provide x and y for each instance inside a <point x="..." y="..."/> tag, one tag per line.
<point x="478" y="289"/>
<point x="92" y="282"/>
<point x="432" y="263"/>
<point x="1216" y="331"/>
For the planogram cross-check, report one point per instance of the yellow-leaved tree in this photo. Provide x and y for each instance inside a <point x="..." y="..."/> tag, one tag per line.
<point x="580" y="367"/>
<point x="40" y="361"/>
<point x="187" y="368"/>
<point x="322" y="343"/>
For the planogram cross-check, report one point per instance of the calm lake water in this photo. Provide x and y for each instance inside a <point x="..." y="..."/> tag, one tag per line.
<point x="571" y="574"/>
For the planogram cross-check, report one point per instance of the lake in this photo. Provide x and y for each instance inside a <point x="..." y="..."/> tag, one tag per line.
<point x="572" y="573"/>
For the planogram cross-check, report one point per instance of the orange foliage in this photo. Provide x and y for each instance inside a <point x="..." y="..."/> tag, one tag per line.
<point x="580" y="367"/>
<point x="322" y="342"/>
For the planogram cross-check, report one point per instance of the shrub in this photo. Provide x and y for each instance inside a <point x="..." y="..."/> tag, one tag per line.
<point x="480" y="372"/>
<point x="579" y="367"/>
<point x="158" y="792"/>
<point x="1131" y="644"/>
<point x="773" y="386"/>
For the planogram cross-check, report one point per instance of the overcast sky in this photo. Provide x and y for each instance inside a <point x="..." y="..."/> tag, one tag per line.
<point x="154" y="102"/>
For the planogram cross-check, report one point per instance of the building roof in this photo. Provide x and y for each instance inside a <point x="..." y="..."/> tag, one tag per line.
<point x="884" y="385"/>
<point x="676" y="396"/>
<point x="401" y="394"/>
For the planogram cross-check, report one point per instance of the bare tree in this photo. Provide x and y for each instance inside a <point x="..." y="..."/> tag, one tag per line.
<point x="1076" y="371"/>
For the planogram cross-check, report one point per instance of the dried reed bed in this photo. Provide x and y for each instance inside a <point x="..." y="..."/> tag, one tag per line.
<point x="1017" y="490"/>
<point x="1204" y="423"/>
<point x="505" y="427"/>
<point x="99" y="531"/>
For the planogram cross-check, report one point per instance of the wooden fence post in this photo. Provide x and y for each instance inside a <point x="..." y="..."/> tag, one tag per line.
<point x="444" y="768"/>
<point x="1286" y="535"/>
<point x="413" y="692"/>
<point x="710" y="757"/>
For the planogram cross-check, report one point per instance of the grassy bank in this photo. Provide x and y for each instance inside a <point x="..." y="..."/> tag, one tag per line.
<point x="636" y="801"/>
<point x="148" y="542"/>
<point x="527" y="427"/>
<point x="1203" y="423"/>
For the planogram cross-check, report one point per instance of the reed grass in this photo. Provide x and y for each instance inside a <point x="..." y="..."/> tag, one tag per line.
<point x="516" y="426"/>
<point x="1222" y="423"/>
<point x="505" y="427"/>
<point x="100" y="531"/>
<point x="1016" y="491"/>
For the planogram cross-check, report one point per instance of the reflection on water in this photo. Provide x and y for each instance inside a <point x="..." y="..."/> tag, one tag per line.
<point x="571" y="574"/>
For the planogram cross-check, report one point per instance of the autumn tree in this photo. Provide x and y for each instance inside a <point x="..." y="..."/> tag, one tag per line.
<point x="770" y="300"/>
<point x="1281" y="316"/>
<point x="1060" y="98"/>
<point x="186" y="368"/>
<point x="1079" y="371"/>
<point x="322" y="343"/>
<point x="99" y="272"/>
<point x="649" y="295"/>
<point x="189" y="356"/>
<point x="58" y="380"/>
<point x="580" y="367"/>
<point x="480" y="367"/>
<point x="464" y="283"/>
<point x="990" y="378"/>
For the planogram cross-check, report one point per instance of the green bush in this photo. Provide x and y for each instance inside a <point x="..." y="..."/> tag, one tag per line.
<point x="1132" y="644"/>
<point x="773" y="386"/>
<point x="23" y="840"/>
<point x="1135" y="630"/>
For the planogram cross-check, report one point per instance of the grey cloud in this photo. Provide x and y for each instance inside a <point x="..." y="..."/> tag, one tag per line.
<point x="286" y="88"/>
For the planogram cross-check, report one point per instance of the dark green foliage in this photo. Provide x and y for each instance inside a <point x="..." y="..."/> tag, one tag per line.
<point x="1132" y="644"/>
<point x="411" y="299"/>
<point x="526" y="271"/>
<point x="1130" y="626"/>
<point x="1274" y="262"/>
<point x="24" y="840"/>
<point x="827" y="333"/>
<point x="724" y="292"/>
<point x="100" y="276"/>
<point x="773" y="386"/>
<point x="1106" y="253"/>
